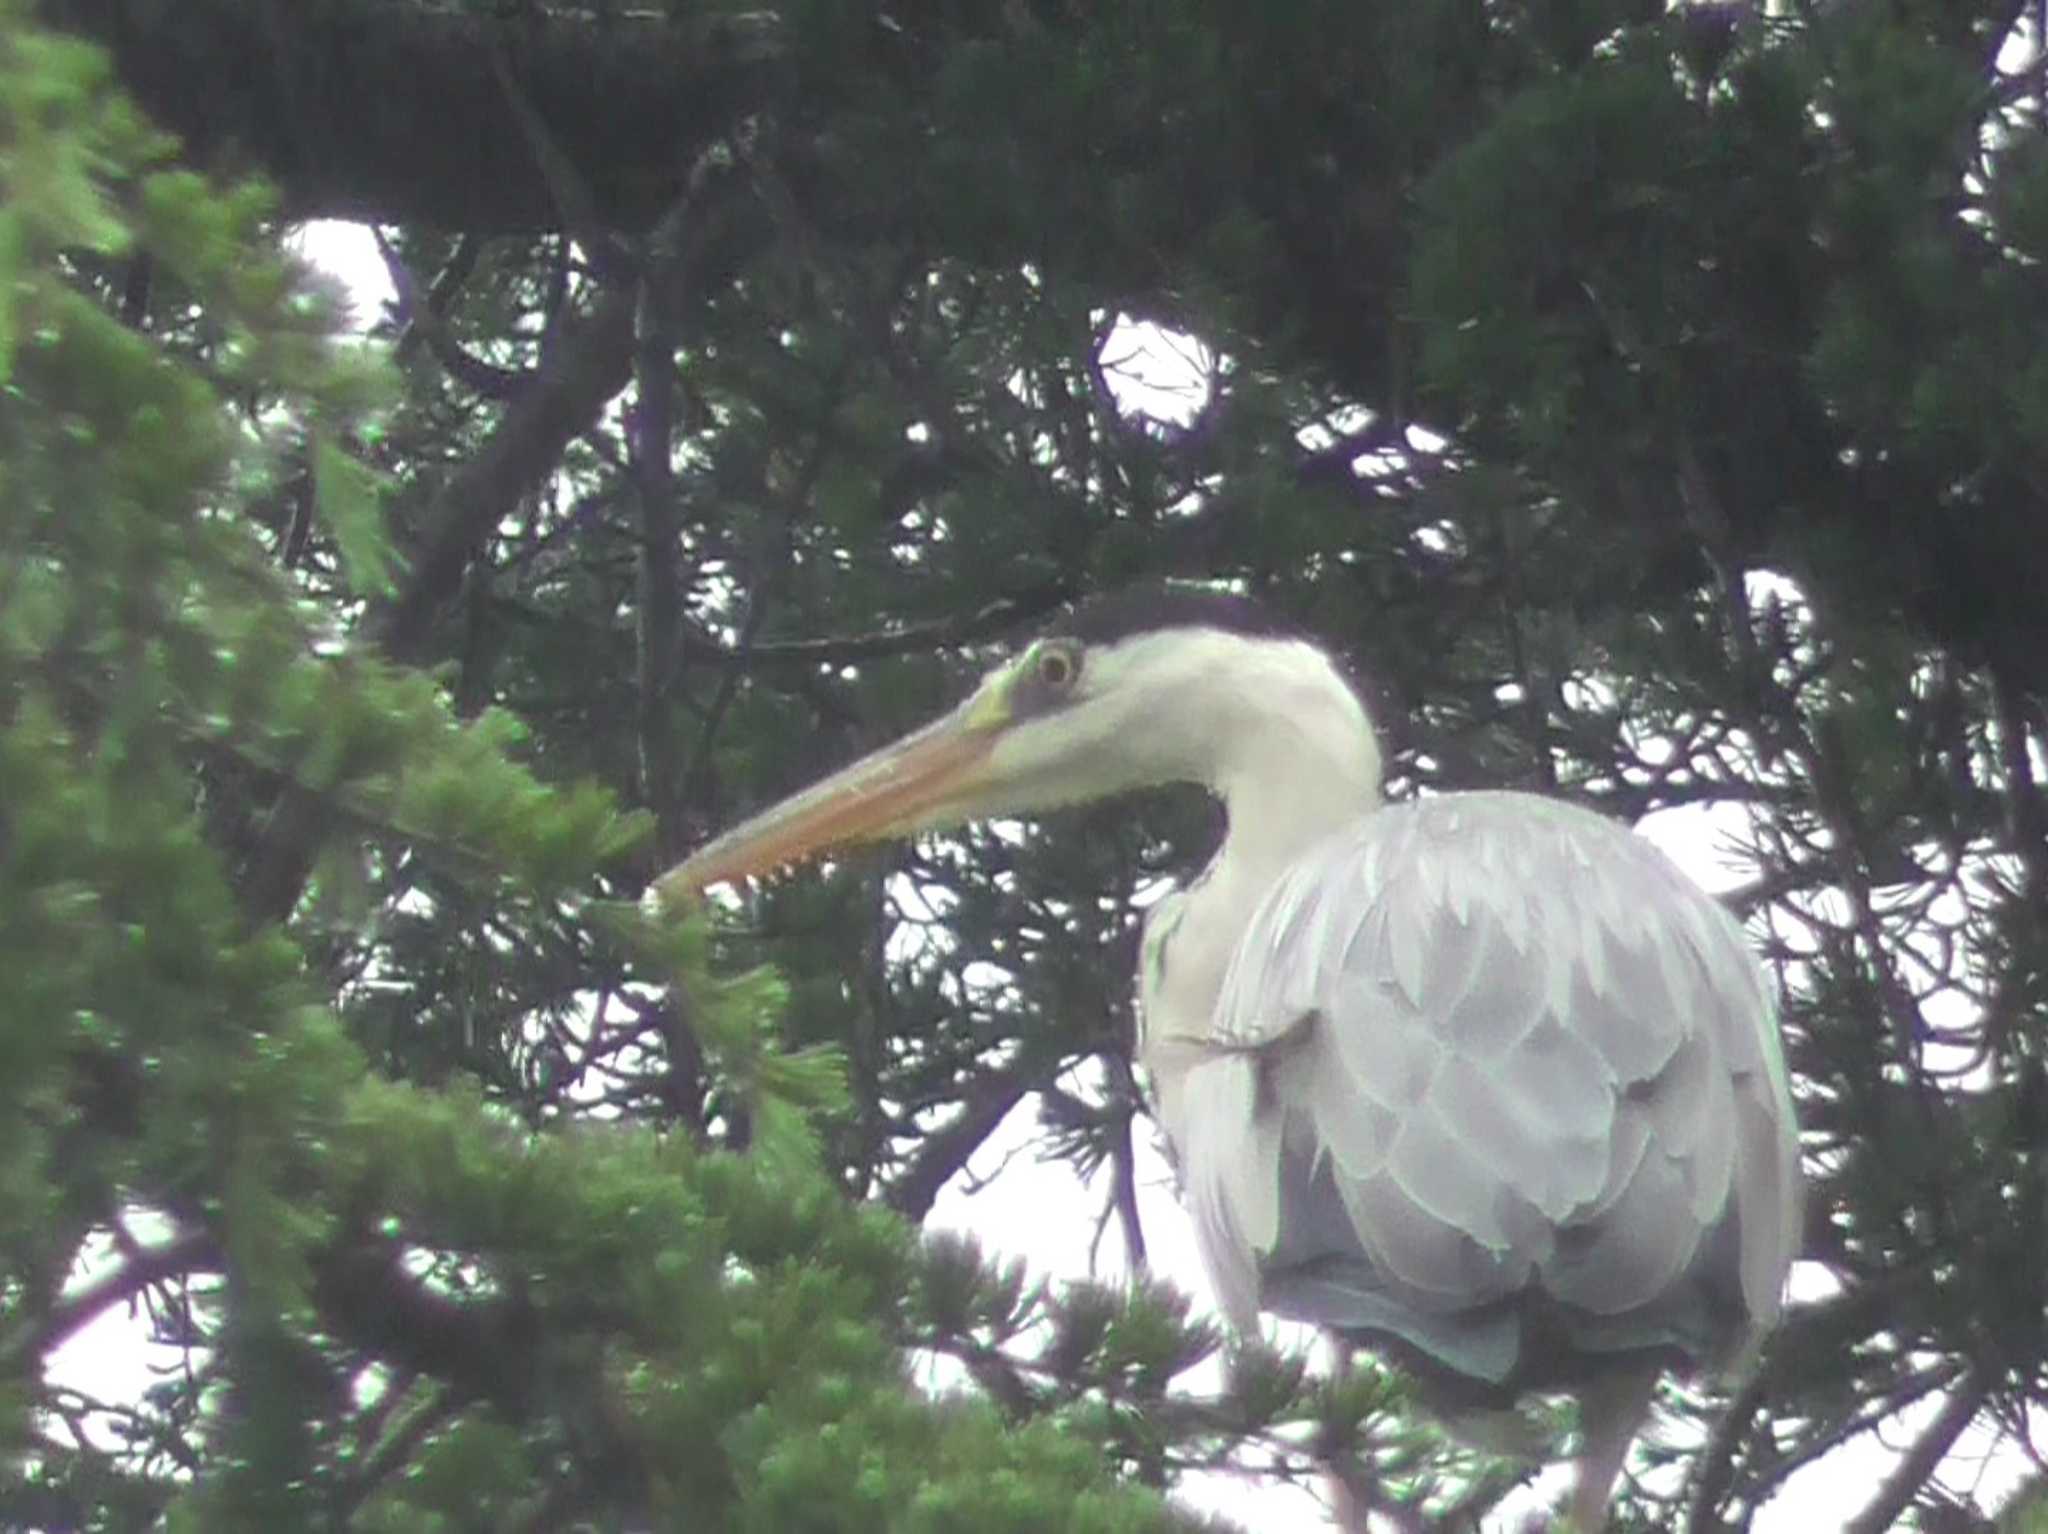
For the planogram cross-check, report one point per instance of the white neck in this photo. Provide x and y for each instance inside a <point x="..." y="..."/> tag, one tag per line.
<point x="1292" y="757"/>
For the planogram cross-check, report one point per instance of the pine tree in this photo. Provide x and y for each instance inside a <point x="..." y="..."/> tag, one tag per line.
<point x="1650" y="403"/>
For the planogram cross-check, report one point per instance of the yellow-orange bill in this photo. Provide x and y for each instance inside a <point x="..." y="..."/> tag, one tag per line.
<point x="927" y="779"/>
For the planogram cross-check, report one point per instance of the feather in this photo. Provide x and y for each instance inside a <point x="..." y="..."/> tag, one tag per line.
<point x="1348" y="1128"/>
<point x="1767" y="1205"/>
<point x="1230" y="1171"/>
<point x="1435" y="1171"/>
<point x="1414" y="1255"/>
<point x="1633" y="1254"/>
<point x="1487" y="995"/>
<point x="1556" y="1080"/>
<point x="1541" y="1063"/>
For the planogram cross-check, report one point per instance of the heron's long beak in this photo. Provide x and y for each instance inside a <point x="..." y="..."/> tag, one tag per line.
<point x="937" y="776"/>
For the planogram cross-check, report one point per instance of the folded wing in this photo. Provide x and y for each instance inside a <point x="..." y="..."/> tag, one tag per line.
<point x="1493" y="1078"/>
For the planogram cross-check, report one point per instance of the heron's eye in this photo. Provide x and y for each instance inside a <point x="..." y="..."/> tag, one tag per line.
<point x="1057" y="666"/>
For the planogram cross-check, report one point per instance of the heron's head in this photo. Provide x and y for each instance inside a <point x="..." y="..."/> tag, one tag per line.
<point x="1152" y="687"/>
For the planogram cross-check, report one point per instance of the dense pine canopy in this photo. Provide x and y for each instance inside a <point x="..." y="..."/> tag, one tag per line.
<point x="1652" y="404"/>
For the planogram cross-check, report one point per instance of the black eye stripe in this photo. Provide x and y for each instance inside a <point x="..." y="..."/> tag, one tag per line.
<point x="1105" y="620"/>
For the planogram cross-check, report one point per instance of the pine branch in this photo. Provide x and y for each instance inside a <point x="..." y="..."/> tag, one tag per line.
<point x="150" y="1266"/>
<point x="1917" y="1464"/>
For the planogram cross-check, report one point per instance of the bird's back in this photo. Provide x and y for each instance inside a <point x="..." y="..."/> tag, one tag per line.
<point x="1492" y="1082"/>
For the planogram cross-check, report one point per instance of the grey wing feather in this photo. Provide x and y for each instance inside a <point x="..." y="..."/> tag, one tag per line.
<point x="1488" y="1045"/>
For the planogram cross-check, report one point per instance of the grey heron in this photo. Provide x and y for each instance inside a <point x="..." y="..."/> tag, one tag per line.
<point x="1481" y="1081"/>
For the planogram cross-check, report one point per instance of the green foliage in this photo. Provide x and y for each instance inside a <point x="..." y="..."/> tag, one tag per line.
<point x="406" y="1308"/>
<point x="347" y="497"/>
